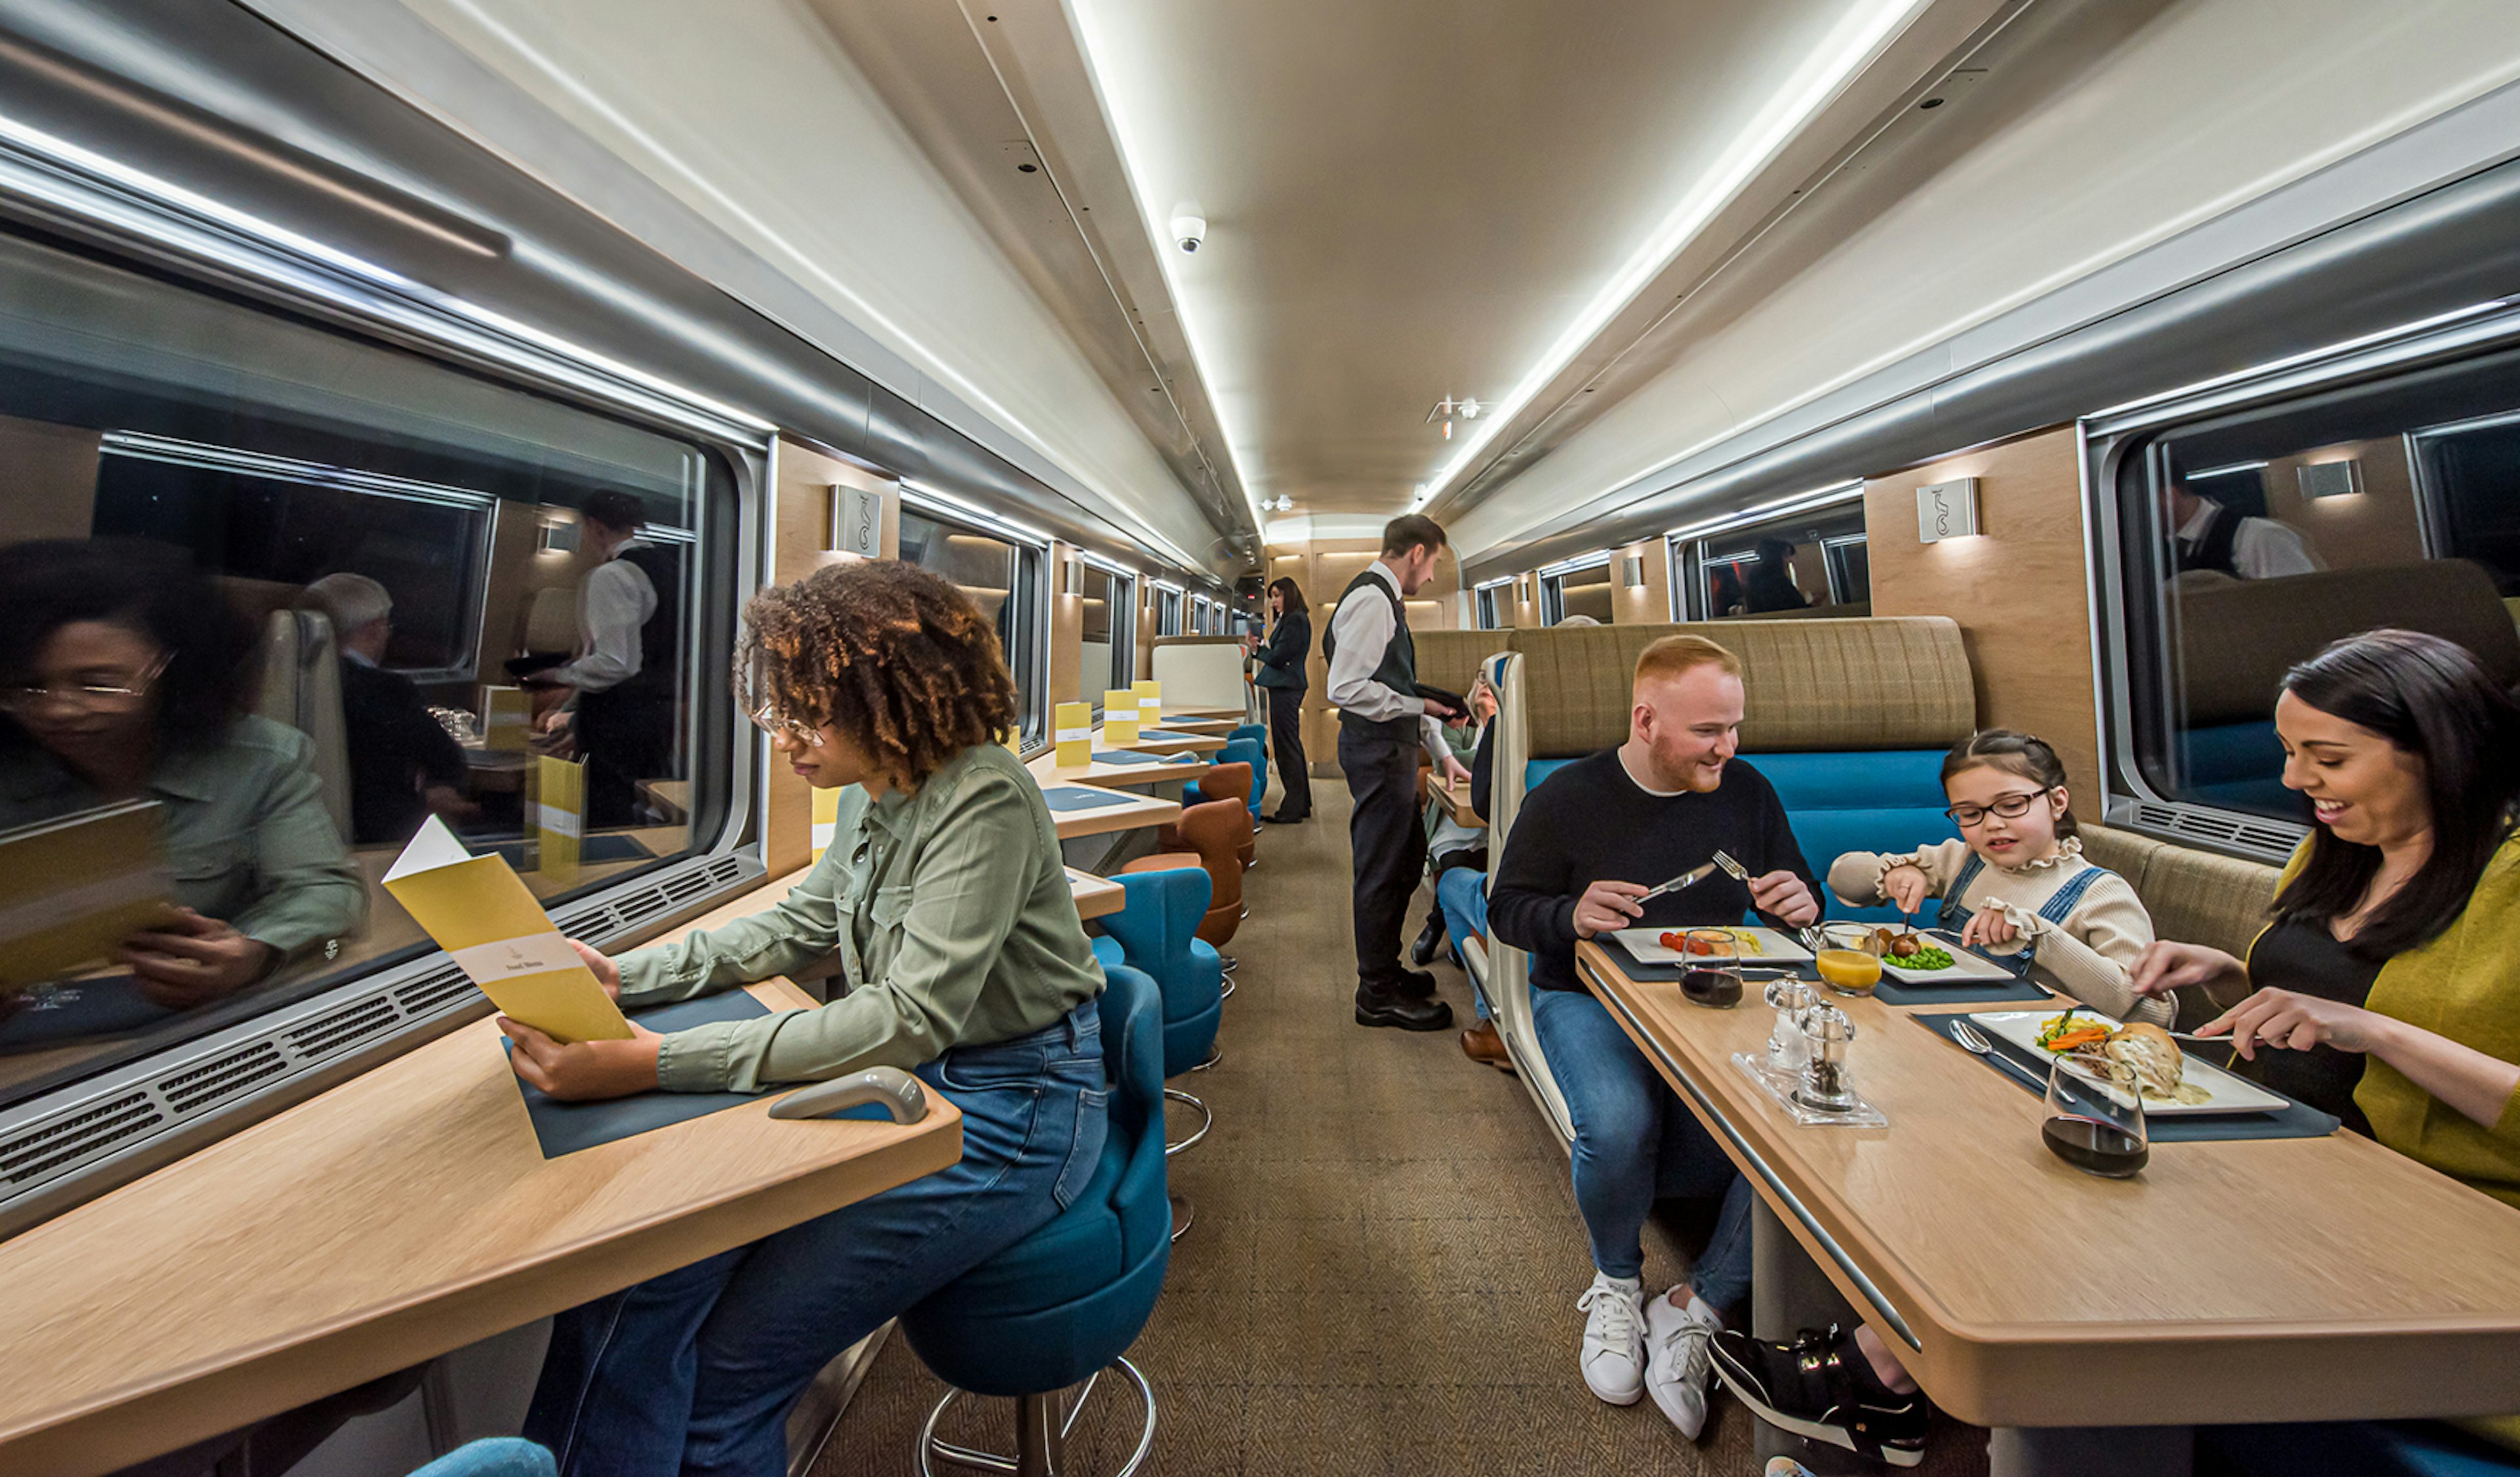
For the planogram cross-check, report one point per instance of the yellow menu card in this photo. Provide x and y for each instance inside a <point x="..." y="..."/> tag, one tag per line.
<point x="507" y="713"/>
<point x="72" y="889"/>
<point x="1120" y="717"/>
<point x="500" y="937"/>
<point x="1150" y="701"/>
<point x="559" y="814"/>
<point x="1074" y="723"/>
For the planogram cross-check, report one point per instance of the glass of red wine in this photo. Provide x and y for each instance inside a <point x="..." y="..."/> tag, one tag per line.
<point x="1711" y="969"/>
<point x="2095" y="1117"/>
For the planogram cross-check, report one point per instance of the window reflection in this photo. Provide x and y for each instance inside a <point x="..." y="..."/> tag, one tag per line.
<point x="270" y="598"/>
<point x="1004" y="579"/>
<point x="1811" y="562"/>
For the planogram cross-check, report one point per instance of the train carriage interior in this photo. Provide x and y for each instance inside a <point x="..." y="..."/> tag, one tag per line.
<point x="814" y="737"/>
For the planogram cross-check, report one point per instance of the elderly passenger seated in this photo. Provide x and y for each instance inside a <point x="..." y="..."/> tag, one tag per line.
<point x="1592" y="840"/>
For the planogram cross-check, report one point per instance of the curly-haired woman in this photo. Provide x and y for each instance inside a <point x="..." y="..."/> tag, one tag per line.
<point x="961" y="958"/>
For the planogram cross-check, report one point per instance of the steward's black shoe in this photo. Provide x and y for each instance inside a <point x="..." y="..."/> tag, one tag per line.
<point x="1286" y="819"/>
<point x="1820" y="1386"/>
<point x="1401" y="1013"/>
<point x="1430" y="943"/>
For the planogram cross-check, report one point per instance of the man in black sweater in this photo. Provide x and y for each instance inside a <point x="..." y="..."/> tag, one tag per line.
<point x="1591" y="840"/>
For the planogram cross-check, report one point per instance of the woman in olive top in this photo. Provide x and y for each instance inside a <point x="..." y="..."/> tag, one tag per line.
<point x="960" y="957"/>
<point x="1284" y="675"/>
<point x="119" y="679"/>
<point x="2396" y="942"/>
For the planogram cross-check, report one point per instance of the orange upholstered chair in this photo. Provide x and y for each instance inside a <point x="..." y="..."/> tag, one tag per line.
<point x="1205" y="837"/>
<point x="1232" y="781"/>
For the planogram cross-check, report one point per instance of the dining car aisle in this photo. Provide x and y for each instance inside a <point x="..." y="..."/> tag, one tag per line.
<point x="1382" y="1278"/>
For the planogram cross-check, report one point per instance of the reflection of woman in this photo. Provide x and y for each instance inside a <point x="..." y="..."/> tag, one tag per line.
<point x="962" y="957"/>
<point x="1770" y="586"/>
<point x="2391" y="973"/>
<point x="1284" y="675"/>
<point x="118" y="668"/>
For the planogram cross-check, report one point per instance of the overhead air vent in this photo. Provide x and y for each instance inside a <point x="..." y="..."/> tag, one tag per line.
<point x="82" y="1134"/>
<point x="2268" y="840"/>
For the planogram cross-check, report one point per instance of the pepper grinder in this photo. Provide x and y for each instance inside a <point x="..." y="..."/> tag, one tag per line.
<point x="1787" y="1048"/>
<point x="1827" y="1031"/>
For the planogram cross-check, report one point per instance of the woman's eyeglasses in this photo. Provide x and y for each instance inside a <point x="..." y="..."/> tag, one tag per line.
<point x="93" y="697"/>
<point x="2012" y="807"/>
<point x="785" y="728"/>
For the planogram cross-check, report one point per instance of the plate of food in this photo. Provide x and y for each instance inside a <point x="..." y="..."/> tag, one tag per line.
<point x="1757" y="945"/>
<point x="2174" y="1083"/>
<point x="1933" y="957"/>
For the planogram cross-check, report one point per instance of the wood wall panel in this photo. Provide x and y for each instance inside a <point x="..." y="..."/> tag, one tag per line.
<point x="1066" y="630"/>
<point x="2018" y="590"/>
<point x="802" y="479"/>
<point x="1322" y="568"/>
<point x="1648" y="603"/>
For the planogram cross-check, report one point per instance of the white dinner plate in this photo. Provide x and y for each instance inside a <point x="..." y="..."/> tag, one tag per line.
<point x="2231" y="1094"/>
<point x="1759" y="946"/>
<point x="1969" y="966"/>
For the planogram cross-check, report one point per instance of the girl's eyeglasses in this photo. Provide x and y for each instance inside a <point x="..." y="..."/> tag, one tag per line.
<point x="2012" y="807"/>
<point x="785" y="728"/>
<point x="93" y="697"/>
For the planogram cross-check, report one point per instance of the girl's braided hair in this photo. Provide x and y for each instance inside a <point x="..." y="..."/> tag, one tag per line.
<point x="895" y="657"/>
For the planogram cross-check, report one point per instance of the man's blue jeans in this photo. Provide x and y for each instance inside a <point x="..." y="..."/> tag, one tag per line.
<point x="1636" y="1142"/>
<point x="693" y="1372"/>
<point x="1463" y="893"/>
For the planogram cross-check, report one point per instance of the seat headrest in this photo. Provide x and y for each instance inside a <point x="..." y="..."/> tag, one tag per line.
<point x="2237" y="638"/>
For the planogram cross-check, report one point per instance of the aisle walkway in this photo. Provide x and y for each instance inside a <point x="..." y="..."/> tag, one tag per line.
<point x="1383" y="1276"/>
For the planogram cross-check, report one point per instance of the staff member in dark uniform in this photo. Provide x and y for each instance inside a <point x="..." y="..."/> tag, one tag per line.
<point x="1283" y="678"/>
<point x="1382" y="725"/>
<point x="628" y="666"/>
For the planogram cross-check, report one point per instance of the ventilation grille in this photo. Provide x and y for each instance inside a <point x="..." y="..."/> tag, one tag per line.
<point x="60" y="1145"/>
<point x="232" y="1073"/>
<point x="2266" y="840"/>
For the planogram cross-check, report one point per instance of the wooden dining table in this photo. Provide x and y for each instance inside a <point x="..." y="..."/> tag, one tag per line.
<point x="2307" y="1279"/>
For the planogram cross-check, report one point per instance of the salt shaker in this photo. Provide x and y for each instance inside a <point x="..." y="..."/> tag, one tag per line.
<point x="1787" y="1048"/>
<point x="1827" y="1032"/>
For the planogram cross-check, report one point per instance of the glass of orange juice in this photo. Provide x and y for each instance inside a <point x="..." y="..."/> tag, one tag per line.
<point x="1851" y="959"/>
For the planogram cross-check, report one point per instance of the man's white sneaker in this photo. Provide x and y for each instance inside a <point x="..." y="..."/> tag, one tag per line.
<point x="1615" y="1338"/>
<point x="1676" y="1366"/>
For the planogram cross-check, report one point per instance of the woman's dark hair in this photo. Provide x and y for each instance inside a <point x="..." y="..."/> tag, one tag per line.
<point x="895" y="657"/>
<point x="2430" y="699"/>
<point x="46" y="584"/>
<point x="2024" y="754"/>
<point x="1775" y="553"/>
<point x="1285" y="587"/>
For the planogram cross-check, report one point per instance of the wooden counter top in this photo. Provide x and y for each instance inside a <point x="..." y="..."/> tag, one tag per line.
<point x="1045" y="769"/>
<point x="402" y="1214"/>
<point x="1133" y="812"/>
<point x="1175" y="742"/>
<point x="1095" y="897"/>
<point x="2273" y="1280"/>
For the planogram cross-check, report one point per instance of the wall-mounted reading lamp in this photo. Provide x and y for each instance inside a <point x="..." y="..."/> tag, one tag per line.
<point x="856" y="522"/>
<point x="1946" y="510"/>
<point x="1632" y="571"/>
<point x="2329" y="479"/>
<point x="557" y="535"/>
<point x="1071" y="574"/>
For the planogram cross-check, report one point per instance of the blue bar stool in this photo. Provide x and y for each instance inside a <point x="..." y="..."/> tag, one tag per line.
<point x="1155" y="932"/>
<point x="1063" y="1305"/>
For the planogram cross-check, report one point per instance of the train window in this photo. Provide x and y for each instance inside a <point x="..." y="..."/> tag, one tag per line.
<point x="2252" y="526"/>
<point x="1811" y="559"/>
<point x="272" y="596"/>
<point x="1579" y="588"/>
<point x="1104" y="662"/>
<point x="1168" y="611"/>
<point x="1004" y="578"/>
<point x="1495" y="606"/>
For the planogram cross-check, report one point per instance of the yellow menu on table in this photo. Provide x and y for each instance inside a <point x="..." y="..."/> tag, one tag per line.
<point x="1120" y="717"/>
<point x="1072" y="735"/>
<point x="481" y="914"/>
<point x="1150" y="701"/>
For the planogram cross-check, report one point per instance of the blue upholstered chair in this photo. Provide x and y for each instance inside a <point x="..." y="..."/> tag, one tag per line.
<point x="1257" y="733"/>
<point x="1155" y="931"/>
<point x="1064" y="1304"/>
<point x="2349" y="1448"/>
<point x="1240" y="750"/>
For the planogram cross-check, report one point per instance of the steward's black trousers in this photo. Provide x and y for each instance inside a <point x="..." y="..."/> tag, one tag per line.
<point x="1385" y="831"/>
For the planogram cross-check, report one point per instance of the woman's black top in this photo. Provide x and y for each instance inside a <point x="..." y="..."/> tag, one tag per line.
<point x="1289" y="646"/>
<point x="2302" y="956"/>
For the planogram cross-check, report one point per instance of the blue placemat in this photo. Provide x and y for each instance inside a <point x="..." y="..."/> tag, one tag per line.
<point x="1889" y="992"/>
<point x="1976" y="992"/>
<point x="564" y="1128"/>
<point x="1132" y="756"/>
<point x="2293" y="1121"/>
<point x="1068" y="798"/>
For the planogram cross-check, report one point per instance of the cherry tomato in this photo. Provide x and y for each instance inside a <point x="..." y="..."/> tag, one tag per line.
<point x="1670" y="940"/>
<point x="1701" y="946"/>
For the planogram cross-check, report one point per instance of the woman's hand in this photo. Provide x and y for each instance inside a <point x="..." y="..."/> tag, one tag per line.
<point x="607" y="973"/>
<point x="194" y="959"/>
<point x="2164" y="967"/>
<point x="1991" y="927"/>
<point x="1907" y="887"/>
<point x="583" y="1071"/>
<point x="2296" y="1022"/>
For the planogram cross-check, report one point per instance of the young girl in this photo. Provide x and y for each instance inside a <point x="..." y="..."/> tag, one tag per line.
<point x="2016" y="881"/>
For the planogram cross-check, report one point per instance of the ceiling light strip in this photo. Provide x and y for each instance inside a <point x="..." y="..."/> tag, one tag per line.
<point x="1857" y="39"/>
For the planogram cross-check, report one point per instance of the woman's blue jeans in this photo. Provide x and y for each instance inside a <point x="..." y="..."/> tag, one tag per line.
<point x="1634" y="1141"/>
<point x="1461" y="892"/>
<point x="693" y="1372"/>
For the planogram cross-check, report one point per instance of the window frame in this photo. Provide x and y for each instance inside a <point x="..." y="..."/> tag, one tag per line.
<point x="2121" y="446"/>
